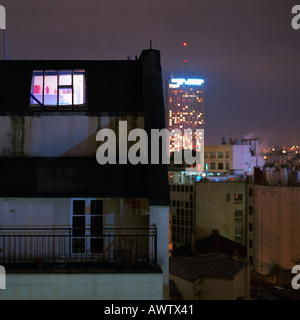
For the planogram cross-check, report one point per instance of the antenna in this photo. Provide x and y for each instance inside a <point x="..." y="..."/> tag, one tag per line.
<point x="185" y="59"/>
<point x="150" y="44"/>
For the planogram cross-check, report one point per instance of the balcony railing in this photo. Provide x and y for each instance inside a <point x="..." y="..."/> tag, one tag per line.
<point x="70" y="247"/>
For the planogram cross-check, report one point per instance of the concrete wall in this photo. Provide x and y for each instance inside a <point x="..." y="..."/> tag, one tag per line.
<point x="56" y="135"/>
<point x="209" y="288"/>
<point x="216" y="289"/>
<point x="242" y="159"/>
<point x="159" y="216"/>
<point x="125" y="213"/>
<point x="83" y="287"/>
<point x="186" y="288"/>
<point x="212" y="211"/>
<point x="276" y="227"/>
<point x="241" y="284"/>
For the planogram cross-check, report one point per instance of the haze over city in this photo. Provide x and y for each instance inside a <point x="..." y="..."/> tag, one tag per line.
<point x="246" y="51"/>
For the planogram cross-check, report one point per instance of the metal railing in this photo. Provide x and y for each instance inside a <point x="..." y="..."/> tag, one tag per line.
<point x="70" y="247"/>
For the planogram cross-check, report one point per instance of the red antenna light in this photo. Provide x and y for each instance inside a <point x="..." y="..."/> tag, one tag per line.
<point x="184" y="44"/>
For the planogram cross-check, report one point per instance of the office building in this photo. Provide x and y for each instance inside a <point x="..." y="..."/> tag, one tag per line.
<point x="186" y="111"/>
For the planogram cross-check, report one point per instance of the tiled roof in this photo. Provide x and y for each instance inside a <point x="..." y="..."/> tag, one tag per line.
<point x="193" y="268"/>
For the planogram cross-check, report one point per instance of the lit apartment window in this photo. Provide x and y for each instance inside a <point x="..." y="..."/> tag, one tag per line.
<point x="238" y="197"/>
<point x="58" y="88"/>
<point x="220" y="154"/>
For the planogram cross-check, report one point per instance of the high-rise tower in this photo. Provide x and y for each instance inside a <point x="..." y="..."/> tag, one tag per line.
<point x="186" y="111"/>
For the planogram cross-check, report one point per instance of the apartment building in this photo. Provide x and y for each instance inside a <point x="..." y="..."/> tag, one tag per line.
<point x="71" y="228"/>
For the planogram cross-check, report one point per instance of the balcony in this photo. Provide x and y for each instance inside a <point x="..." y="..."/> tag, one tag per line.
<point x="70" y="250"/>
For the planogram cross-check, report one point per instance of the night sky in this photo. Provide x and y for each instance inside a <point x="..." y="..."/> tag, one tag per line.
<point x="246" y="51"/>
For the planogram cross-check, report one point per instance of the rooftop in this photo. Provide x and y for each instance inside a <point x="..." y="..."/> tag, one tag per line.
<point x="215" y="265"/>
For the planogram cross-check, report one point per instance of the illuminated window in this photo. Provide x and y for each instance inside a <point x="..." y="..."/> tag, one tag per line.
<point x="63" y="89"/>
<point x="238" y="197"/>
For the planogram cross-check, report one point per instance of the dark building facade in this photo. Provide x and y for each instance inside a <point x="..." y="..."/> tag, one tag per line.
<point x="51" y="185"/>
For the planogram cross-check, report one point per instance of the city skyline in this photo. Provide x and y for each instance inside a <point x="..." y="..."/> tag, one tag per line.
<point x="250" y="69"/>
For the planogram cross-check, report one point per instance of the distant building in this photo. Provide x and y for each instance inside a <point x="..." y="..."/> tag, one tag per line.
<point x="182" y="213"/>
<point x="273" y="211"/>
<point x="199" y="207"/>
<point x="186" y="110"/>
<point x="210" y="277"/>
<point x="237" y="155"/>
<point x="221" y="205"/>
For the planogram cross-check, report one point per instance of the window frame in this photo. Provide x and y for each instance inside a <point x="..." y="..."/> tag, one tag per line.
<point x="88" y="235"/>
<point x="72" y="107"/>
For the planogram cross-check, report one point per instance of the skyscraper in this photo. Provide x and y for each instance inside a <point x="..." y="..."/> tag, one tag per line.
<point x="186" y="111"/>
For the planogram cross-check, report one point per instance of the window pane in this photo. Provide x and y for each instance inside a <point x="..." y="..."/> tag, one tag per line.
<point x="79" y="87"/>
<point x="37" y="87"/>
<point x="79" y="226"/>
<point x="65" y="96"/>
<point x="78" y="245"/>
<point x="97" y="207"/>
<point x="65" y="78"/>
<point x="78" y="207"/>
<point x="97" y="245"/>
<point x="96" y="226"/>
<point x="50" y="91"/>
